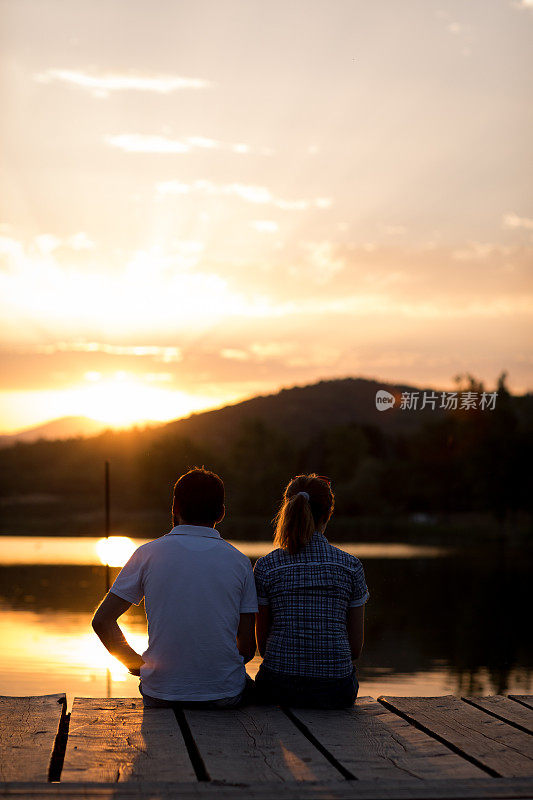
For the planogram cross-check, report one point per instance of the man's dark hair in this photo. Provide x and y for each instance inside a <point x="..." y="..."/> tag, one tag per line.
<point x="198" y="498"/>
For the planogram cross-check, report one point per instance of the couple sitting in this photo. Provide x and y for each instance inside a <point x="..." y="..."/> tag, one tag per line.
<point x="304" y="603"/>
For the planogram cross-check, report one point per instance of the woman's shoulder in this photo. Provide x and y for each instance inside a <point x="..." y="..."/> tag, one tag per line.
<point x="346" y="558"/>
<point x="271" y="559"/>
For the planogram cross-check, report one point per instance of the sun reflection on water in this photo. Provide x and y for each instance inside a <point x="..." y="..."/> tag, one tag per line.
<point x="54" y="651"/>
<point x="115" y="550"/>
<point x="83" y="651"/>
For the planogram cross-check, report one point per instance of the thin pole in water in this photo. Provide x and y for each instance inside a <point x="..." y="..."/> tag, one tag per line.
<point x="107" y="528"/>
<point x="107" y="578"/>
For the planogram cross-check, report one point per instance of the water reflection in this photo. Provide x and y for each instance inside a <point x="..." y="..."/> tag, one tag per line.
<point x="44" y="640"/>
<point x="437" y="623"/>
<point x="114" y="551"/>
<point x="48" y="652"/>
<point x="117" y="550"/>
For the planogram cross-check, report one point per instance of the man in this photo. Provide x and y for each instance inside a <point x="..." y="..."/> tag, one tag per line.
<point x="200" y="603"/>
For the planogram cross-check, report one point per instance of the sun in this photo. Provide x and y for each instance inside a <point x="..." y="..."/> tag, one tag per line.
<point x="118" y="400"/>
<point x="123" y="399"/>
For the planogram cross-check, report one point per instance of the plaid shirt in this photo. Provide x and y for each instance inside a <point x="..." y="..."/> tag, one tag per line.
<point x="308" y="594"/>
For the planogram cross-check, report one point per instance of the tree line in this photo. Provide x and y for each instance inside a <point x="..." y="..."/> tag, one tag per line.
<point x="463" y="461"/>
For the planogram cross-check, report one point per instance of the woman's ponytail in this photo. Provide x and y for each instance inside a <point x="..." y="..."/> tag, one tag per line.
<point x="307" y="502"/>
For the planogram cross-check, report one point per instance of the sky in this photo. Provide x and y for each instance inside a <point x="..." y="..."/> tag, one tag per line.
<point x="205" y="201"/>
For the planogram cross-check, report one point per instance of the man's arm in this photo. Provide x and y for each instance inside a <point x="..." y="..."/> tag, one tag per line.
<point x="106" y="628"/>
<point x="246" y="637"/>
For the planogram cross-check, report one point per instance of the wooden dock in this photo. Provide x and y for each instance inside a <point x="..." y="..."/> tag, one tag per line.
<point x="394" y="748"/>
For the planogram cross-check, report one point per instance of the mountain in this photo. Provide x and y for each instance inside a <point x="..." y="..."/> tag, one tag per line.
<point x="381" y="462"/>
<point x="62" y="428"/>
<point x="302" y="411"/>
<point x="298" y="410"/>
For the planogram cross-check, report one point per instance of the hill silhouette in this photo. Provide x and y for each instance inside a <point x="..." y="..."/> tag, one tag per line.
<point x="350" y="399"/>
<point x="429" y="462"/>
<point x="301" y="411"/>
<point x="61" y="428"/>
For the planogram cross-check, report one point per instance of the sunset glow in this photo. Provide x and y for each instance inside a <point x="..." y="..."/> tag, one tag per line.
<point x="316" y="193"/>
<point x="115" y="550"/>
<point x="123" y="400"/>
<point x="77" y="652"/>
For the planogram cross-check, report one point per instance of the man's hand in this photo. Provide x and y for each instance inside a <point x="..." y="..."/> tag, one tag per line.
<point x="106" y="628"/>
<point x="246" y="637"/>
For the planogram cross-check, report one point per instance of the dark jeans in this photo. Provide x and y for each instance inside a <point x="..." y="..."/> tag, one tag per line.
<point x="305" y="692"/>
<point x="224" y="702"/>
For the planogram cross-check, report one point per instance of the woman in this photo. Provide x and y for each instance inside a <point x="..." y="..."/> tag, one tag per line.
<point x="311" y="599"/>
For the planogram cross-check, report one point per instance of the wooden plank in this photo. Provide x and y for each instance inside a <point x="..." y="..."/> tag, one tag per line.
<point x="485" y="789"/>
<point x="119" y="740"/>
<point x="490" y="743"/>
<point x="514" y="713"/>
<point x="254" y="744"/>
<point x="373" y="743"/>
<point x="28" y="730"/>
<point x="524" y="699"/>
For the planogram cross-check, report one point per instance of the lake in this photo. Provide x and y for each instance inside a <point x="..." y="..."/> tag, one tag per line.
<point x="439" y="620"/>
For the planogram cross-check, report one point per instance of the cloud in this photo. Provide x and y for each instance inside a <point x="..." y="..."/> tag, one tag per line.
<point x="323" y="261"/>
<point x="480" y="250"/>
<point x="250" y="193"/>
<point x="166" y="355"/>
<point x="159" y="377"/>
<point x="137" y="143"/>
<point x="80" y="241"/>
<point x="374" y="305"/>
<point x="514" y="221"/>
<point x="203" y="141"/>
<point x="63" y="363"/>
<point x="141" y="143"/>
<point x="169" y="295"/>
<point x="393" y="230"/>
<point x="232" y="353"/>
<point x="271" y="349"/>
<point x="289" y="354"/>
<point x="11" y="249"/>
<point x="94" y="376"/>
<point x="254" y="194"/>
<point x="45" y="244"/>
<point x="265" y="225"/>
<point x="327" y="276"/>
<point x="283" y="355"/>
<point x="155" y="291"/>
<point x="101" y="85"/>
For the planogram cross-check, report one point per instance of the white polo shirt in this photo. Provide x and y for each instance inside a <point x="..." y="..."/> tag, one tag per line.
<point x="195" y="586"/>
